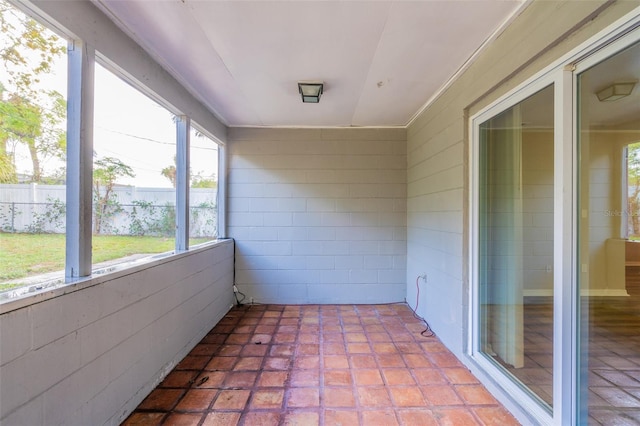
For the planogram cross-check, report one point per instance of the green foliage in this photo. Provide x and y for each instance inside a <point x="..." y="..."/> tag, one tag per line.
<point x="106" y="172"/>
<point x="205" y="214"/>
<point x="633" y="158"/>
<point x="167" y="220"/>
<point x="7" y="169"/>
<point x="108" y="169"/>
<point x="147" y="218"/>
<point x="20" y="119"/>
<point x="633" y="182"/>
<point x="53" y="217"/>
<point x="197" y="180"/>
<point x="170" y="173"/>
<point x="202" y="182"/>
<point x="28" y="50"/>
<point x="8" y="215"/>
<point x="29" y="114"/>
<point x="25" y="255"/>
<point x="105" y="208"/>
<point x="139" y="218"/>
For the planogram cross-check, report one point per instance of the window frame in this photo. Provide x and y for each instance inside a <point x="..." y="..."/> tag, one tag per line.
<point x="536" y="408"/>
<point x="221" y="192"/>
<point x="563" y="73"/>
<point x="609" y="45"/>
<point x="78" y="270"/>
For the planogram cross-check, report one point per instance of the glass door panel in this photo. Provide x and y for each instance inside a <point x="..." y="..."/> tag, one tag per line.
<point x="608" y="247"/>
<point x="515" y="250"/>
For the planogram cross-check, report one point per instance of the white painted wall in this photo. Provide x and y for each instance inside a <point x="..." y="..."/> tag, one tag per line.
<point x="437" y="152"/>
<point x="605" y="194"/>
<point x="537" y="194"/>
<point x="438" y="205"/>
<point x="318" y="214"/>
<point x="435" y="199"/>
<point x="604" y="168"/>
<point x="90" y="355"/>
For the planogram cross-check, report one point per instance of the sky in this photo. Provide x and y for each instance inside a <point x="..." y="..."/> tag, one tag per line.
<point x="130" y="126"/>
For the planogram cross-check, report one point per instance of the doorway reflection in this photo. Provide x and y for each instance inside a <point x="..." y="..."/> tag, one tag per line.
<point x="608" y="247"/>
<point x="516" y="242"/>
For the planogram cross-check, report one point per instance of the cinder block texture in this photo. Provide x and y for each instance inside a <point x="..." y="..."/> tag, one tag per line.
<point x="319" y="215"/>
<point x="90" y="356"/>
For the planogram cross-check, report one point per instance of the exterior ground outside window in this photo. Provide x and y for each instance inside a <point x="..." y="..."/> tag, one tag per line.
<point x="203" y="187"/>
<point x="33" y="99"/>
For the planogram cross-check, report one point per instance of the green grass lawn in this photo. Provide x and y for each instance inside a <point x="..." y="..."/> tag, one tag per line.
<point x="24" y="255"/>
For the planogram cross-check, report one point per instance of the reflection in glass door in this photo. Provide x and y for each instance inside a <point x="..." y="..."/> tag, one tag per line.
<point x="608" y="244"/>
<point x="515" y="242"/>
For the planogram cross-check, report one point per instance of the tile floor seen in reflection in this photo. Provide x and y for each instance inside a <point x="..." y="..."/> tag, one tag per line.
<point x="320" y="365"/>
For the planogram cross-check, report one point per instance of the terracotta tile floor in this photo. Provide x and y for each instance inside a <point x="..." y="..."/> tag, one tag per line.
<point x="320" y="365"/>
<point x="612" y="367"/>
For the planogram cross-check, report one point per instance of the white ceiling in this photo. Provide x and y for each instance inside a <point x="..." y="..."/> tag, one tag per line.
<point x="380" y="60"/>
<point x="623" y="67"/>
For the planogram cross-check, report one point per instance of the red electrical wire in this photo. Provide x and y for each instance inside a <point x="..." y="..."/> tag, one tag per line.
<point x="427" y="332"/>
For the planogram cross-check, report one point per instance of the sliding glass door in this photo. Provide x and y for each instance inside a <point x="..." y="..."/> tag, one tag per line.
<point x="608" y="240"/>
<point x="555" y="237"/>
<point x="515" y="280"/>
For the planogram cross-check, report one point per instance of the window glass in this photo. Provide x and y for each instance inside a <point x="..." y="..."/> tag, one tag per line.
<point x="203" y="188"/>
<point x="631" y="180"/>
<point x="33" y="90"/>
<point x="608" y="263"/>
<point x="516" y="243"/>
<point x="134" y="162"/>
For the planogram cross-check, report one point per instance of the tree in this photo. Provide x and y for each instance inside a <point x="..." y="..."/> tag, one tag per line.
<point x="170" y="173"/>
<point x="29" y="114"/>
<point x="7" y="169"/>
<point x="197" y="180"/>
<point x="106" y="172"/>
<point x="203" y="182"/>
<point x="21" y="122"/>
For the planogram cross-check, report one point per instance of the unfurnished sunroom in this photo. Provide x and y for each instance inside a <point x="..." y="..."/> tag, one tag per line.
<point x="477" y="160"/>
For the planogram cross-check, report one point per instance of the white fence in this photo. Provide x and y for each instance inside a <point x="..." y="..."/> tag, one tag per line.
<point x="134" y="211"/>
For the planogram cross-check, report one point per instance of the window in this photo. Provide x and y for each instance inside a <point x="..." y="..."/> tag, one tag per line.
<point x="131" y="165"/>
<point x="515" y="252"/>
<point x="608" y="265"/>
<point x="134" y="173"/>
<point x="554" y="290"/>
<point x="631" y="183"/>
<point x="32" y="153"/>
<point x="203" y="188"/>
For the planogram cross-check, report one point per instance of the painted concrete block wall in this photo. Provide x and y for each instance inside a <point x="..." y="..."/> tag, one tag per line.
<point x="438" y="206"/>
<point x="438" y="145"/>
<point x="318" y="215"/>
<point x="89" y="357"/>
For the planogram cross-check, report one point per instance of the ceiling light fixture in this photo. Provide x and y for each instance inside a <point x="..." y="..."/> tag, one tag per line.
<point x="310" y="91"/>
<point x="615" y="91"/>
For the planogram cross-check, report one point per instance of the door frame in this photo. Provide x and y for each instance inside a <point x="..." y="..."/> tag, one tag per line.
<point x="567" y="405"/>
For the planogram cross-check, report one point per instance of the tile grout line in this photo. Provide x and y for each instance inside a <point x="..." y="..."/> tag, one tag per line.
<point x="397" y="354"/>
